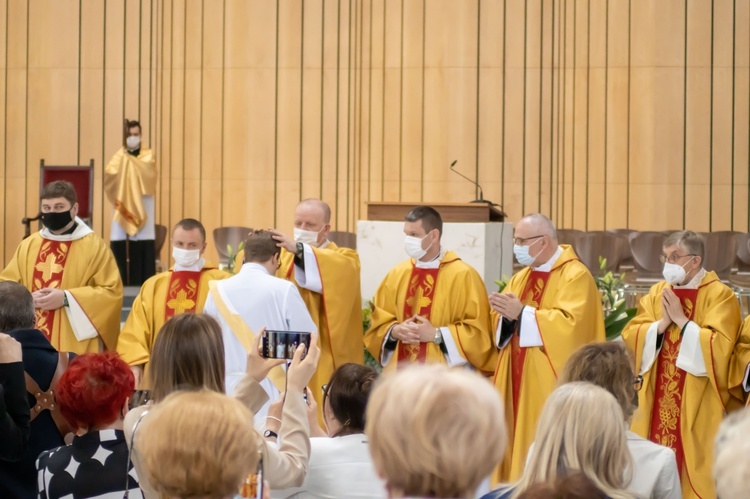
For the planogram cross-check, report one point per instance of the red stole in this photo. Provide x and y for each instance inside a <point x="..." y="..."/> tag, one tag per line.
<point x="48" y="273"/>
<point x="419" y="298"/>
<point x="531" y="296"/>
<point x="182" y="294"/>
<point x="670" y="382"/>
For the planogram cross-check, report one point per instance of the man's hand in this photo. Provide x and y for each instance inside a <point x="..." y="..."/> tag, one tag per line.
<point x="674" y="308"/>
<point x="425" y="329"/>
<point x="666" y="320"/>
<point x="506" y="304"/>
<point x="301" y="371"/>
<point x="283" y="241"/>
<point x="258" y="367"/>
<point x="407" y="332"/>
<point x="48" y="298"/>
<point x="10" y="350"/>
<point x="137" y="374"/>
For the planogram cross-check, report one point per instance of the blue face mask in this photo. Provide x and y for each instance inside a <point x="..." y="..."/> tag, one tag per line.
<point x="522" y="253"/>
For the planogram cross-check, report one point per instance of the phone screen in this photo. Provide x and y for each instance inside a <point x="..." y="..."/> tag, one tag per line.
<point x="283" y="344"/>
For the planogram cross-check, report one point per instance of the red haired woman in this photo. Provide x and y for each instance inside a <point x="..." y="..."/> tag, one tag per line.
<point x="93" y="397"/>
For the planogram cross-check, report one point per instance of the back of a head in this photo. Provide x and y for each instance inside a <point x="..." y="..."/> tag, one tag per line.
<point x="347" y="393"/>
<point x="16" y="307"/>
<point x="581" y="429"/>
<point x="198" y="444"/>
<point x="60" y="189"/>
<point x="188" y="353"/>
<point x="574" y="486"/>
<point x="429" y="217"/>
<point x="731" y="454"/>
<point x="607" y="364"/>
<point x="424" y="441"/>
<point x="260" y="247"/>
<point x="94" y="389"/>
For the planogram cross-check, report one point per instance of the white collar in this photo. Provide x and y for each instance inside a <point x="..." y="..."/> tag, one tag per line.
<point x="695" y="281"/>
<point x="253" y="266"/>
<point x="196" y="267"/>
<point x="432" y="264"/>
<point x="326" y="243"/>
<point x="546" y="267"/>
<point x="81" y="230"/>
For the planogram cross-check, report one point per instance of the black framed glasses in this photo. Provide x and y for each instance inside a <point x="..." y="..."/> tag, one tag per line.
<point x="638" y="383"/>
<point x="673" y="258"/>
<point x="521" y="240"/>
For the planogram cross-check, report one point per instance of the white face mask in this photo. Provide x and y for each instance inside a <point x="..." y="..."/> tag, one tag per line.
<point x="413" y="247"/>
<point x="675" y="274"/>
<point x="186" y="258"/>
<point x="306" y="237"/>
<point x="133" y="142"/>
<point x="522" y="253"/>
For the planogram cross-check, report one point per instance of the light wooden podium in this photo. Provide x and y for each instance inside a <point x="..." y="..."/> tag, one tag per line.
<point x="475" y="231"/>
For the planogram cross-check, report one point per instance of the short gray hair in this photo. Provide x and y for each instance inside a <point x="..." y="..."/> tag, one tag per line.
<point x="543" y="224"/>
<point x="689" y="240"/>
<point x="16" y="307"/>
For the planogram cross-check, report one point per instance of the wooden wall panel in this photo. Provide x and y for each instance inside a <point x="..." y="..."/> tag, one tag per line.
<point x="600" y="114"/>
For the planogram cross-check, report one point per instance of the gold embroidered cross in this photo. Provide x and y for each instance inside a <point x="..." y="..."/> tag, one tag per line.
<point x="181" y="303"/>
<point x="418" y="301"/>
<point x="49" y="267"/>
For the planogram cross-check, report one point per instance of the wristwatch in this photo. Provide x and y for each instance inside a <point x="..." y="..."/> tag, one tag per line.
<point x="270" y="434"/>
<point x="65" y="299"/>
<point x="300" y="250"/>
<point x="438" y="336"/>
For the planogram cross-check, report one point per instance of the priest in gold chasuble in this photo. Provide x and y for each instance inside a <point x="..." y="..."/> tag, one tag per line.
<point x="72" y="276"/>
<point x="545" y="313"/>
<point x="431" y="308"/>
<point x="683" y="338"/>
<point x="327" y="277"/>
<point x="182" y="289"/>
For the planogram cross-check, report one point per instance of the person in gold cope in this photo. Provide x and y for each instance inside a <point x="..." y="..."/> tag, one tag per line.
<point x="431" y="308"/>
<point x="547" y="310"/>
<point x="130" y="185"/>
<point x="327" y="277"/>
<point x="182" y="289"/>
<point x="72" y="276"/>
<point x="683" y="337"/>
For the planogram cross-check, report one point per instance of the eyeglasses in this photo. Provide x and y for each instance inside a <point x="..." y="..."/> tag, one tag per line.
<point x="638" y="383"/>
<point x="673" y="257"/>
<point x="521" y="240"/>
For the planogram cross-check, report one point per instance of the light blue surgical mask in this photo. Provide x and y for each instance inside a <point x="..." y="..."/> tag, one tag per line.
<point x="522" y="253"/>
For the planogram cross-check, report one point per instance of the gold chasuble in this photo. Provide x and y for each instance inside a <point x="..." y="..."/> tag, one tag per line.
<point x="451" y="296"/>
<point x="162" y="297"/>
<point x="676" y="408"/>
<point x="126" y="180"/>
<point x="81" y="264"/>
<point x="741" y="360"/>
<point x="568" y="314"/>
<point x="337" y="310"/>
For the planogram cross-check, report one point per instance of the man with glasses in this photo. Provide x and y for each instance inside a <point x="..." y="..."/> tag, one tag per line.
<point x="546" y="312"/>
<point x="683" y="337"/>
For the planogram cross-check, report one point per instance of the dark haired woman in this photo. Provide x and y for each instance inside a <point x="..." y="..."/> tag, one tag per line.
<point x="340" y="462"/>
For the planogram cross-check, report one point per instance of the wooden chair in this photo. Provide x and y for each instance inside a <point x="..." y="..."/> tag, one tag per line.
<point x="232" y="236"/>
<point x="740" y="280"/>
<point x="720" y="252"/>
<point x="627" y="260"/>
<point x="646" y="248"/>
<point x="594" y="244"/>
<point x="82" y="178"/>
<point x="569" y="236"/>
<point x="343" y="239"/>
<point x="161" y="238"/>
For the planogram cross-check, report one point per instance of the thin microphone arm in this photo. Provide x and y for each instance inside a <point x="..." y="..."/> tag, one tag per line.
<point x="481" y="194"/>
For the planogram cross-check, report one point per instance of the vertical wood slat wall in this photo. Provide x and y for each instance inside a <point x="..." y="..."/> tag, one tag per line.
<point x="602" y="114"/>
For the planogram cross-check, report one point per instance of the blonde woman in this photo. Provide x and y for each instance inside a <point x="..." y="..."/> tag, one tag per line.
<point x="581" y="430"/>
<point x="214" y="465"/>
<point x="610" y="365"/>
<point x="435" y="431"/>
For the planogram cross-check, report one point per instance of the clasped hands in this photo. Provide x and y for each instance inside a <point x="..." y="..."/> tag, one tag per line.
<point x="414" y="330"/>
<point x="671" y="311"/>
<point x="48" y="298"/>
<point x="507" y="305"/>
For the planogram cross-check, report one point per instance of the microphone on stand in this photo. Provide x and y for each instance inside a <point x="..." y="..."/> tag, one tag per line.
<point x="481" y="193"/>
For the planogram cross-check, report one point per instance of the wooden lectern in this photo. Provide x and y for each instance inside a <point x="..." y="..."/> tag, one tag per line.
<point x="450" y="212"/>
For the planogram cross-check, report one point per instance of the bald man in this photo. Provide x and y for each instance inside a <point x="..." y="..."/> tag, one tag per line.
<point x="546" y="312"/>
<point x="328" y="280"/>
